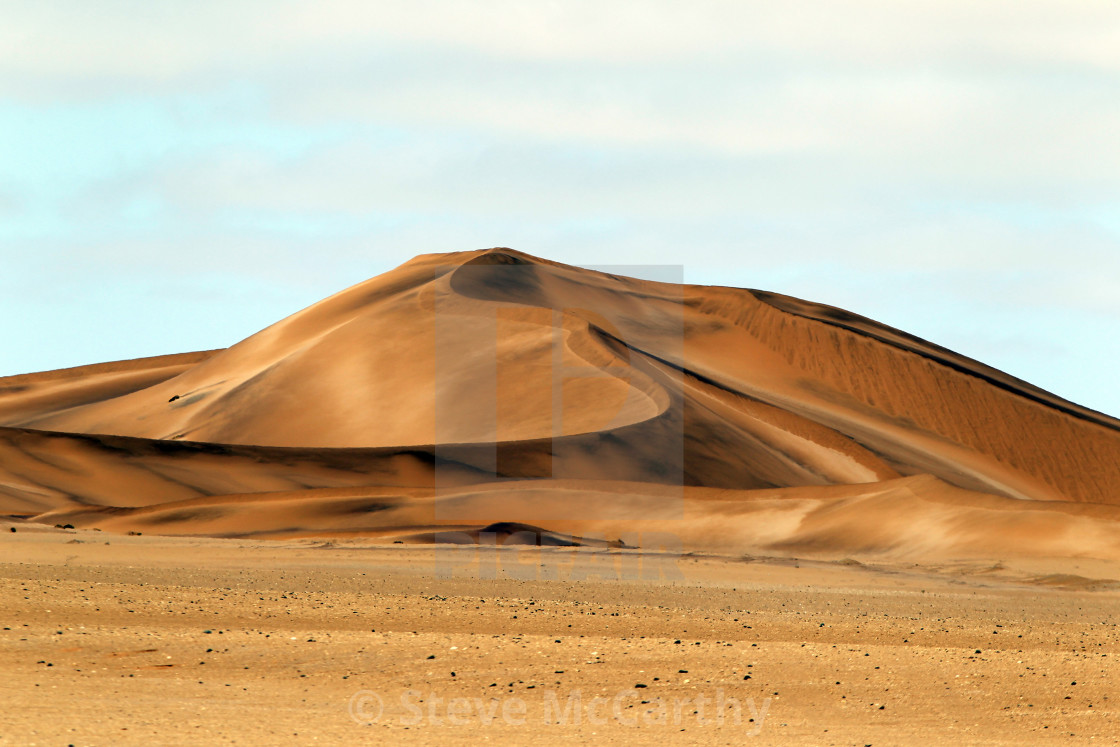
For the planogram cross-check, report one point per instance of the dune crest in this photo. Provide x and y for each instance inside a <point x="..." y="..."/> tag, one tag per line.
<point x="464" y="390"/>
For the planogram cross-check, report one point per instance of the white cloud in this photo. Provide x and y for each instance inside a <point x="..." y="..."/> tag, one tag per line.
<point x="950" y="142"/>
<point x="996" y="93"/>
<point x="173" y="39"/>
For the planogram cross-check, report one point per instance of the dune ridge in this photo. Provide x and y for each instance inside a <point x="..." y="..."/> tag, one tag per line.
<point x="464" y="390"/>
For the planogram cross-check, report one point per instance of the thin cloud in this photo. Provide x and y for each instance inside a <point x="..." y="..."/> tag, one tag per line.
<point x="883" y="144"/>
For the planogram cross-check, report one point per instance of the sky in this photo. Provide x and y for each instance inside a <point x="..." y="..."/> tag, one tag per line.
<point x="177" y="176"/>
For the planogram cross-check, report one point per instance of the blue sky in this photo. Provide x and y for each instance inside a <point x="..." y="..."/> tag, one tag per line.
<point x="177" y="176"/>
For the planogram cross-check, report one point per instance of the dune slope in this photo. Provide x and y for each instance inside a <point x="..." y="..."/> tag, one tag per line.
<point x="470" y="388"/>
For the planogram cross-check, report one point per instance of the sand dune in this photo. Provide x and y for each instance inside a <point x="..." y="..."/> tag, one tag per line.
<point x="465" y="391"/>
<point x="28" y="395"/>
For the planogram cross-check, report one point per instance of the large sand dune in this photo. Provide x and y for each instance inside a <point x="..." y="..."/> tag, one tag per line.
<point x="465" y="389"/>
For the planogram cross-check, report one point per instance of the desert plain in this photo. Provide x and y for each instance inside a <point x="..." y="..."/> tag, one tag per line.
<point x="142" y="640"/>
<point x="486" y="497"/>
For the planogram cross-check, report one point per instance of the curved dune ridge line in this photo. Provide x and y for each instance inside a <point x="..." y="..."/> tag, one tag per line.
<point x="495" y="389"/>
